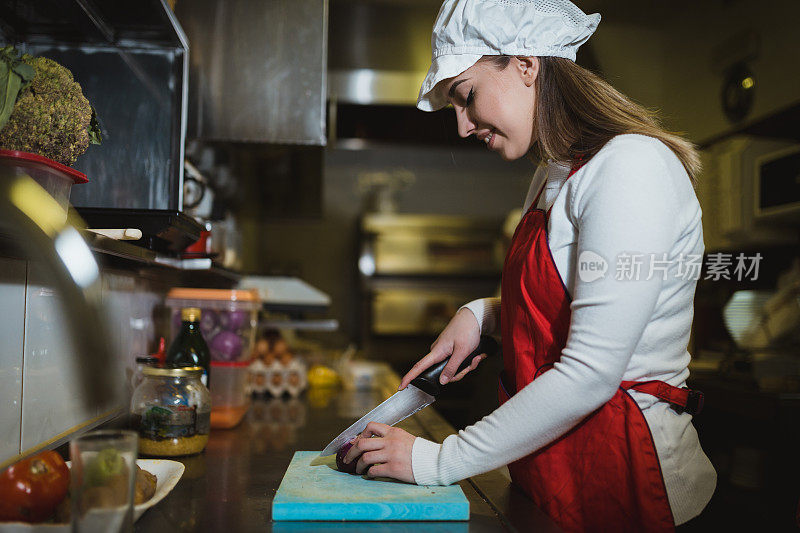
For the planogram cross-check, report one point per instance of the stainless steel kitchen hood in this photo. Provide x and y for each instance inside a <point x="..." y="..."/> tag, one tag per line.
<point x="379" y="50"/>
<point x="258" y="70"/>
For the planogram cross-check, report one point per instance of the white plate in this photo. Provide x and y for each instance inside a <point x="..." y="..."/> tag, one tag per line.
<point x="168" y="474"/>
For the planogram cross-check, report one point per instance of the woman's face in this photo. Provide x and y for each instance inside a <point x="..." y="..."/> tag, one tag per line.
<point x="497" y="106"/>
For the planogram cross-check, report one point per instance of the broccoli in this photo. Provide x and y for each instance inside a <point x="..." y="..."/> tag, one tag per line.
<point x="50" y="117"/>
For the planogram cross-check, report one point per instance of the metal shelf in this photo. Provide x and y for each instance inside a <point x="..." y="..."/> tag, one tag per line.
<point x="133" y="255"/>
<point x="91" y="22"/>
<point x="131" y="60"/>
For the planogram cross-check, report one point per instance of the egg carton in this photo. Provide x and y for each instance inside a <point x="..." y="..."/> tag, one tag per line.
<point x="278" y="379"/>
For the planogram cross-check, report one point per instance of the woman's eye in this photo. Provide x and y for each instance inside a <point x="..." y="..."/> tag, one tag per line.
<point x="470" y="97"/>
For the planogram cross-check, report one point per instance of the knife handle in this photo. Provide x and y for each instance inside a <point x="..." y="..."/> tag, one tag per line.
<point x="428" y="381"/>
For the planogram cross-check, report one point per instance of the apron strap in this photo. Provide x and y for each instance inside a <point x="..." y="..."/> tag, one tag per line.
<point x="682" y="400"/>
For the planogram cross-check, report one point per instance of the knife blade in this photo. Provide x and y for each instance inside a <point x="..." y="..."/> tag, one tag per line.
<point x="419" y="394"/>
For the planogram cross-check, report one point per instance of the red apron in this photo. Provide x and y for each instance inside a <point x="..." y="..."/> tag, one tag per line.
<point x="603" y="474"/>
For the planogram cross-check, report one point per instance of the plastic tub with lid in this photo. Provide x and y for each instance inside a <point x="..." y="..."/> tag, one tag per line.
<point x="230" y="398"/>
<point x="55" y="178"/>
<point x="227" y="321"/>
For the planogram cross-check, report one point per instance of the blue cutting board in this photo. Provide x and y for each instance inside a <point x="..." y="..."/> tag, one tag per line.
<point x="312" y="489"/>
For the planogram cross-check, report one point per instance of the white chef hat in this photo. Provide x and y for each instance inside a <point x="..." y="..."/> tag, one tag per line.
<point x="466" y="30"/>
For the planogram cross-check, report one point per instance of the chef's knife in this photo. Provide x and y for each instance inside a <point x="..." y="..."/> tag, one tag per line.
<point x="420" y="393"/>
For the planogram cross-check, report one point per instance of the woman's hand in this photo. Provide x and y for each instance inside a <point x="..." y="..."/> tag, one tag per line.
<point x="461" y="336"/>
<point x="385" y="452"/>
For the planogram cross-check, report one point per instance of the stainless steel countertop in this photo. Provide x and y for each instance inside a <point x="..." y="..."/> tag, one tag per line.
<point x="230" y="486"/>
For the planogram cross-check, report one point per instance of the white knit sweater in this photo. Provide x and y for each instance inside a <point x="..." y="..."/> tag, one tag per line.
<point x="630" y="204"/>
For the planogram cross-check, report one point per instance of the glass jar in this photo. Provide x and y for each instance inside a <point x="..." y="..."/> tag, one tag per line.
<point x="171" y="410"/>
<point x="138" y="373"/>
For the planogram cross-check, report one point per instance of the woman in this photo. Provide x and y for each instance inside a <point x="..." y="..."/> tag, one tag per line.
<point x="597" y="291"/>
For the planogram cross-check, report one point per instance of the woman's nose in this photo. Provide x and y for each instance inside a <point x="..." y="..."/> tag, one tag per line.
<point x="465" y="125"/>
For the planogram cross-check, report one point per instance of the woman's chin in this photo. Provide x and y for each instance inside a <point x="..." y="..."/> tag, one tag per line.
<point x="510" y="155"/>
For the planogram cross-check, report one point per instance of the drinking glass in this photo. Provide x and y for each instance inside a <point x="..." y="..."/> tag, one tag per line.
<point x="102" y="481"/>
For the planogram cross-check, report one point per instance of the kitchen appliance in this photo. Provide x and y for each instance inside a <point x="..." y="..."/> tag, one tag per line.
<point x="742" y="313"/>
<point x="766" y="324"/>
<point x="419" y="394"/>
<point x="163" y="230"/>
<point x="258" y="70"/>
<point x="132" y="62"/>
<point x="418" y="269"/>
<point x="752" y="189"/>
<point x="312" y="489"/>
<point x="777" y="184"/>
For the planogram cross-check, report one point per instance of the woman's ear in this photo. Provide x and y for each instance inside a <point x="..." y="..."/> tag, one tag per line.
<point x="528" y="68"/>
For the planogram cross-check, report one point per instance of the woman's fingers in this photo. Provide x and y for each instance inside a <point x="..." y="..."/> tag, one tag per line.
<point x="376" y="429"/>
<point x="379" y="470"/>
<point x="460" y="353"/>
<point x="438" y="353"/>
<point x="458" y="339"/>
<point x="475" y="362"/>
<point x="370" y="458"/>
<point x="386" y="453"/>
<point x="368" y="440"/>
<point x="465" y="333"/>
<point x="360" y="445"/>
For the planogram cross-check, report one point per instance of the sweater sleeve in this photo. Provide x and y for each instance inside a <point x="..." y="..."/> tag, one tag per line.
<point x="623" y="204"/>
<point x="487" y="313"/>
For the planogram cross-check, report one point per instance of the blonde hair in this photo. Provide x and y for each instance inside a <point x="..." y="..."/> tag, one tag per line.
<point x="577" y="113"/>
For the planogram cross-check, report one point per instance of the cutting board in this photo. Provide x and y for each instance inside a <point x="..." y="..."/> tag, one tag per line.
<point x="312" y="489"/>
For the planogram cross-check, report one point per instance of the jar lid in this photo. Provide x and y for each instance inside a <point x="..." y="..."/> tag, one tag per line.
<point x="186" y="371"/>
<point x="147" y="360"/>
<point x="185" y="293"/>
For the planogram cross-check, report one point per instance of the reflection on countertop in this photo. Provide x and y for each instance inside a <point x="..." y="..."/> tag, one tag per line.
<point x="230" y="486"/>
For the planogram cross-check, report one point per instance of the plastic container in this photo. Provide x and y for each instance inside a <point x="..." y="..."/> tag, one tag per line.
<point x="171" y="410"/>
<point x="55" y="178"/>
<point x="227" y="322"/>
<point x="229" y="393"/>
<point x="361" y="375"/>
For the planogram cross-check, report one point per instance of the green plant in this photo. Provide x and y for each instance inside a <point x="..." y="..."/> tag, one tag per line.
<point x="43" y="109"/>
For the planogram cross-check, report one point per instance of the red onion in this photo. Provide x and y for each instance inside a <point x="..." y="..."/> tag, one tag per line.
<point x="226" y="346"/>
<point x="350" y="467"/>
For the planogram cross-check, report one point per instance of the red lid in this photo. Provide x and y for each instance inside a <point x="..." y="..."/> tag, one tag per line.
<point x="232" y="295"/>
<point x="161" y="354"/>
<point x="230" y="364"/>
<point x="77" y="177"/>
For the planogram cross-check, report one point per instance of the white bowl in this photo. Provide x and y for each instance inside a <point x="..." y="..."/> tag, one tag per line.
<point x="167" y="472"/>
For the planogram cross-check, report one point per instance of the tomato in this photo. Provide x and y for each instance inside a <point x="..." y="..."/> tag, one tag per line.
<point x="31" y="489"/>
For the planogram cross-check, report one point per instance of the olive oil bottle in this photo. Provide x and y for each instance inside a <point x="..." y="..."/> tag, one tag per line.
<point x="189" y="348"/>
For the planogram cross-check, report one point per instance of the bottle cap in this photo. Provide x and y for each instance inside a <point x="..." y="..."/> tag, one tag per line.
<point x="185" y="371"/>
<point x="190" y="314"/>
